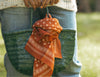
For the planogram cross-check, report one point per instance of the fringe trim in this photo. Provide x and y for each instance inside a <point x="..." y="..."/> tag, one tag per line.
<point x="66" y="4"/>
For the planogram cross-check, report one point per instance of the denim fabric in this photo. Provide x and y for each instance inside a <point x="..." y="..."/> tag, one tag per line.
<point x="17" y="19"/>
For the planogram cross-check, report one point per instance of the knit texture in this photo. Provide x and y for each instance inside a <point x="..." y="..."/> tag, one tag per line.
<point x="20" y="59"/>
<point x="65" y="4"/>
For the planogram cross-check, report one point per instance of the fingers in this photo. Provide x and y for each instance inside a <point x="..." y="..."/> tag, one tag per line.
<point x="56" y="1"/>
<point x="39" y="3"/>
<point x="47" y="3"/>
<point x="36" y="3"/>
<point x="52" y="2"/>
<point x="32" y="3"/>
<point x="26" y="3"/>
<point x="43" y="3"/>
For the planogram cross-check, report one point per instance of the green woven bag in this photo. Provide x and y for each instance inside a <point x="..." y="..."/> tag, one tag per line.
<point x="22" y="61"/>
<point x="67" y="38"/>
<point x="19" y="57"/>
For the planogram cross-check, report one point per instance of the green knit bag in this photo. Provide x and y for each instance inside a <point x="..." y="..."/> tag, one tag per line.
<point x="67" y="38"/>
<point x="22" y="61"/>
<point x="19" y="57"/>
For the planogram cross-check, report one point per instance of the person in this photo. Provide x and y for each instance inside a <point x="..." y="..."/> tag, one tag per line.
<point x="17" y="18"/>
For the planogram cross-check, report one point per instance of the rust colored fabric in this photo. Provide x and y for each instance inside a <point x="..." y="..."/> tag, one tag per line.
<point x="44" y="45"/>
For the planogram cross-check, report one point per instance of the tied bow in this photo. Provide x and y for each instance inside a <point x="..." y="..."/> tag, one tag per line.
<point x="44" y="45"/>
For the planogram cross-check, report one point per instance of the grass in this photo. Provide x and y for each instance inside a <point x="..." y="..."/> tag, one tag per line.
<point x="88" y="45"/>
<point x="2" y="53"/>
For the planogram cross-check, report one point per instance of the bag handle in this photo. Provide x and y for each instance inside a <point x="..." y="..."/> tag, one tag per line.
<point x="47" y="11"/>
<point x="48" y="15"/>
<point x="31" y="17"/>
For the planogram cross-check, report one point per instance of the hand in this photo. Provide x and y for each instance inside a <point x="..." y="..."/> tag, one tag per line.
<point x="38" y="3"/>
<point x="56" y="1"/>
<point x="48" y="2"/>
<point x="33" y="3"/>
<point x="44" y="3"/>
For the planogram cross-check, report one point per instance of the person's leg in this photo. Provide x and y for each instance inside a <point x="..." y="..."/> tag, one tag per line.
<point x="68" y="66"/>
<point x="16" y="27"/>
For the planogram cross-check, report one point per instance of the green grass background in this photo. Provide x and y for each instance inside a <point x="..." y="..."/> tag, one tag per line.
<point x="88" y="45"/>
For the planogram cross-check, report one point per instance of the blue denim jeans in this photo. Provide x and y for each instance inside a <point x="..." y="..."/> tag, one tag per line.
<point x="17" y="19"/>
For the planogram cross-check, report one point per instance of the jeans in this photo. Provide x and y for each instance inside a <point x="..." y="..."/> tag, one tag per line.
<point x="17" y="19"/>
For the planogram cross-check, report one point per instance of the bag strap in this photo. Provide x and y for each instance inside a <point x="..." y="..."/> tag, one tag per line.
<point x="31" y="17"/>
<point x="48" y="15"/>
<point x="47" y="11"/>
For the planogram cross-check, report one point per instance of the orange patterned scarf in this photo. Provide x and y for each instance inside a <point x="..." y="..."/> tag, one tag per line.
<point x="44" y="45"/>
